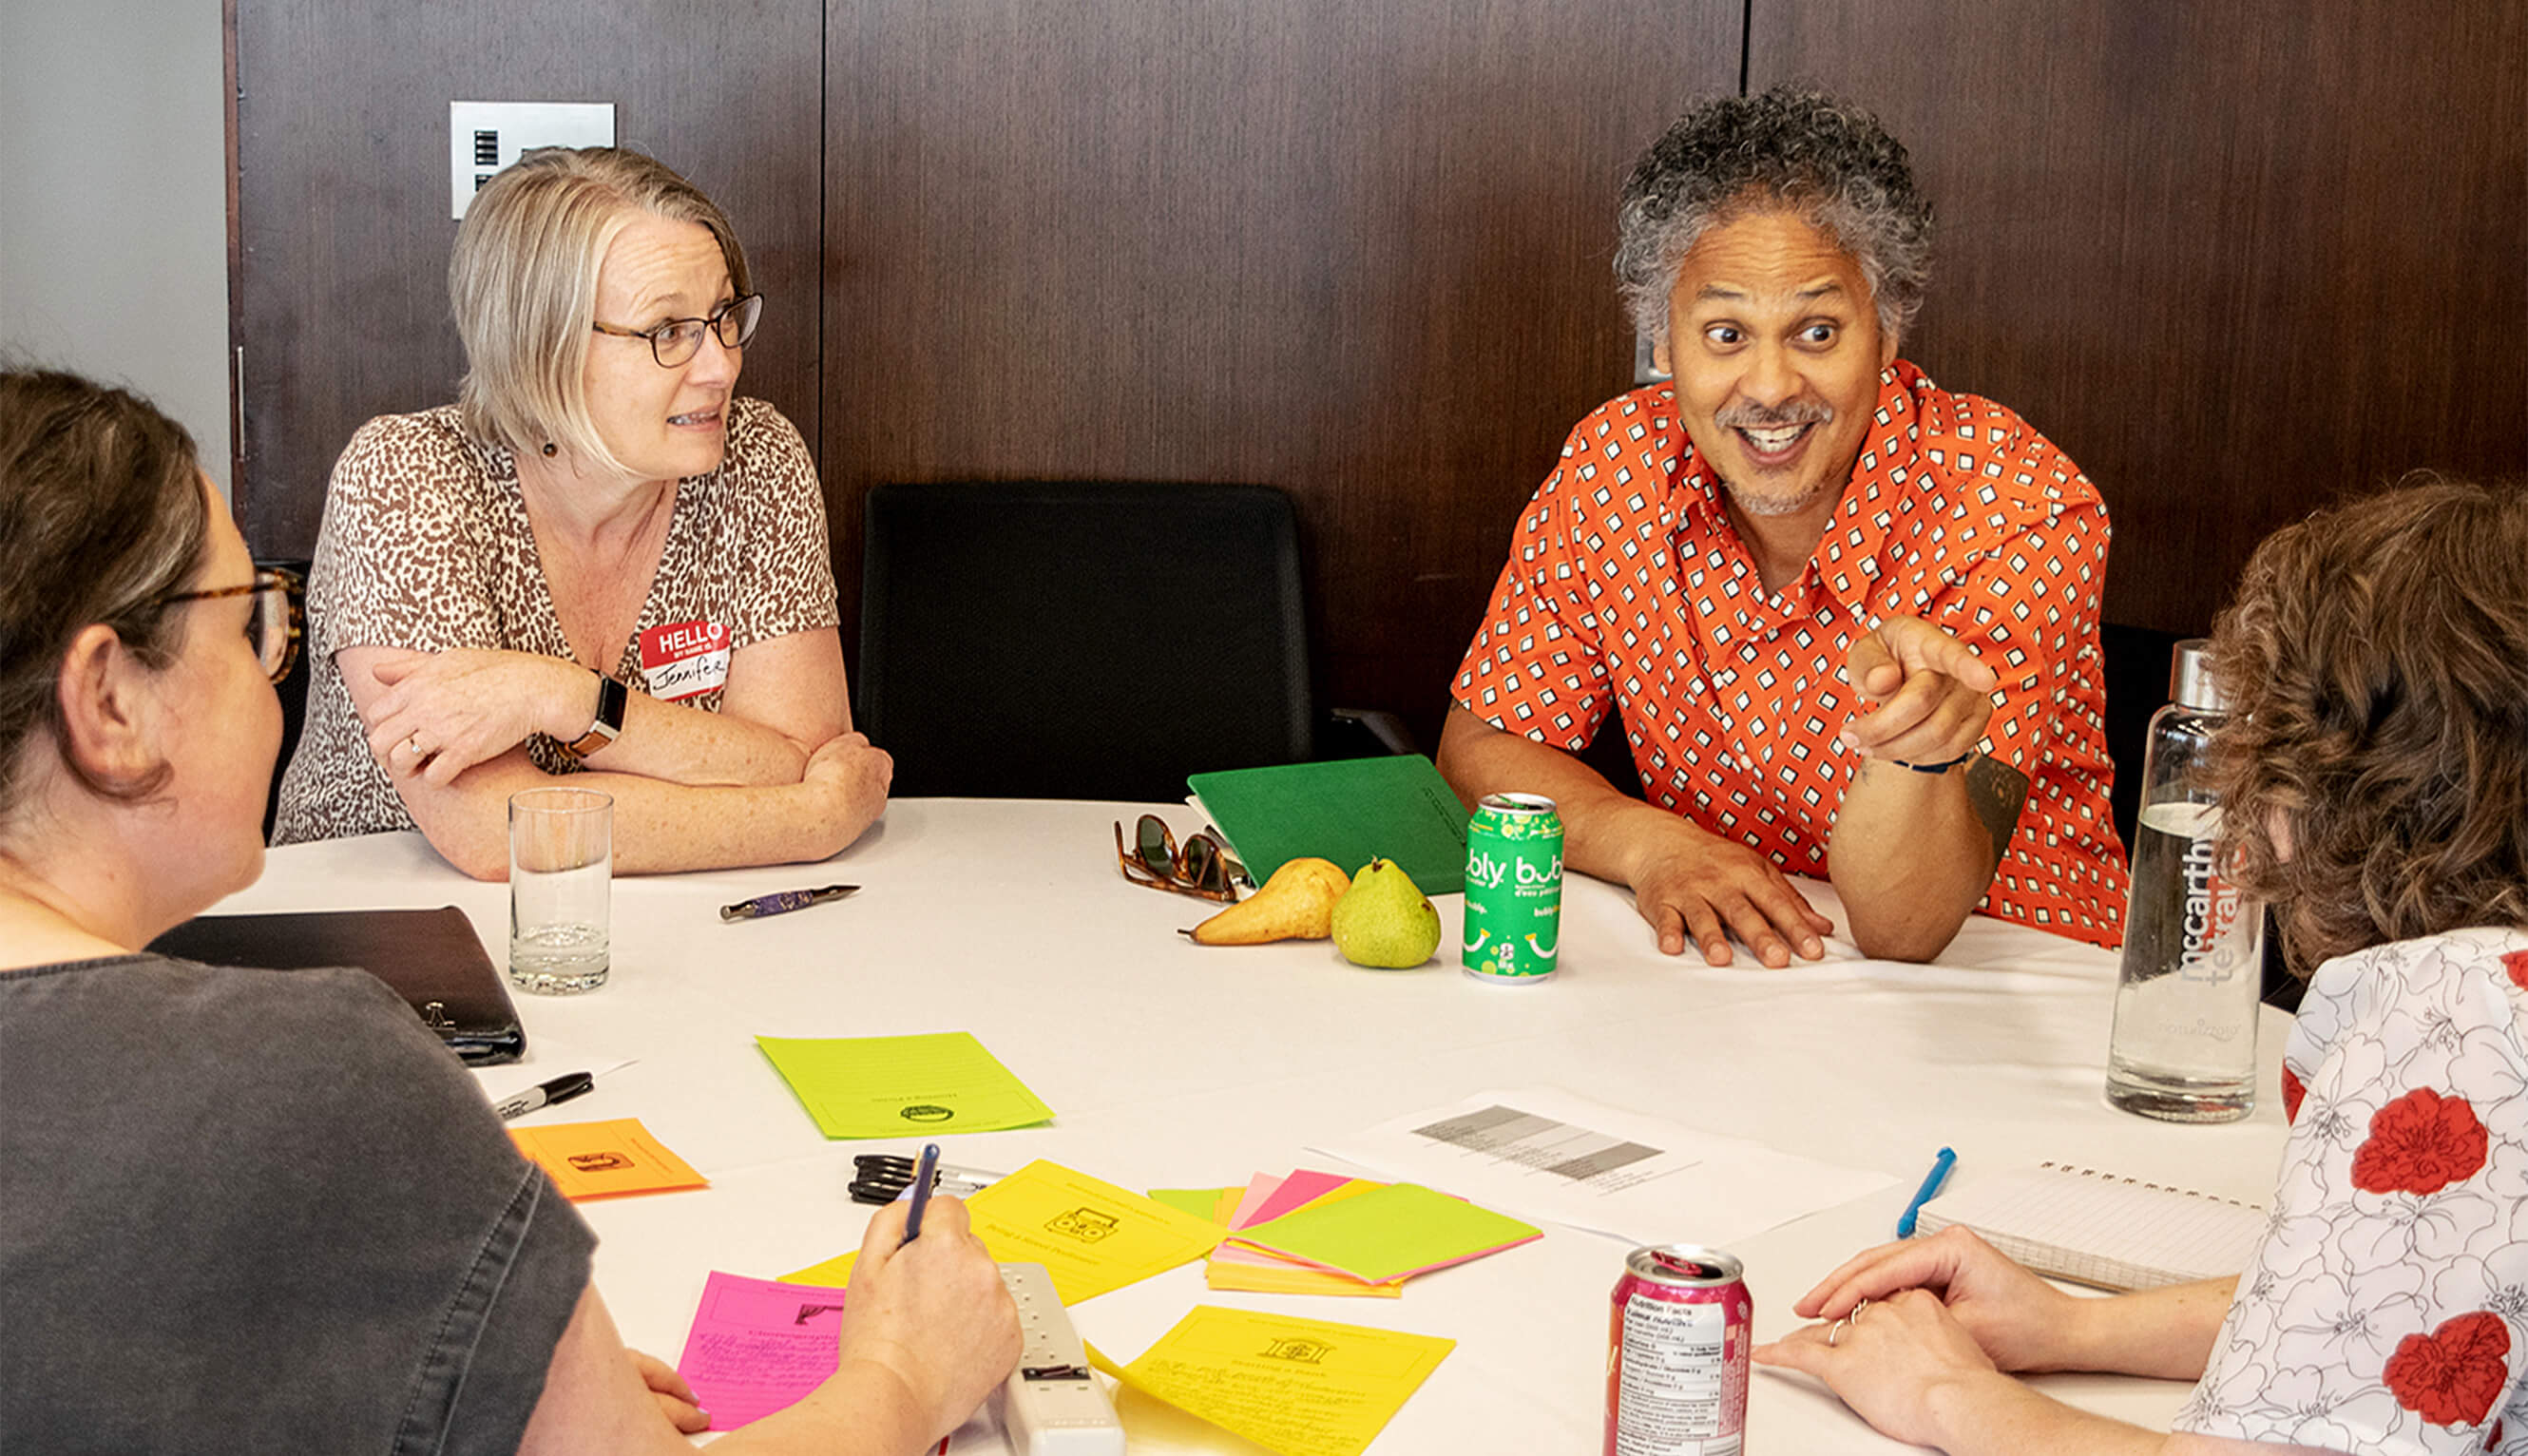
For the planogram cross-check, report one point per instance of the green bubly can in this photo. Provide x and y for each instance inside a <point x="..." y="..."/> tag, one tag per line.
<point x="1513" y="889"/>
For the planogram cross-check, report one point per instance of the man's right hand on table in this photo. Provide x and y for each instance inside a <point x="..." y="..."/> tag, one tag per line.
<point x="1686" y="881"/>
<point x="1690" y="882"/>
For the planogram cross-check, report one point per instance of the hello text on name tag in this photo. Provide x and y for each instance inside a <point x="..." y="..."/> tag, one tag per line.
<point x="683" y="659"/>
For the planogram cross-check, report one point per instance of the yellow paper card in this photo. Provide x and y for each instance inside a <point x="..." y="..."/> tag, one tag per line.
<point x="1091" y="1235"/>
<point x="1294" y="1278"/>
<point x="1302" y="1387"/>
<point x="601" y="1160"/>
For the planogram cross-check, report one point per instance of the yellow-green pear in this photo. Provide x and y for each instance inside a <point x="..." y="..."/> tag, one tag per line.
<point x="1385" y="920"/>
<point x="1297" y="904"/>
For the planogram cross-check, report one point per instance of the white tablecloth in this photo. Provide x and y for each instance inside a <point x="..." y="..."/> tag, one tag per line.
<point x="1172" y="1065"/>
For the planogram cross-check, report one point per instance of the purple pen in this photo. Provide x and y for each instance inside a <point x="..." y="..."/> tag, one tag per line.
<point x="782" y="903"/>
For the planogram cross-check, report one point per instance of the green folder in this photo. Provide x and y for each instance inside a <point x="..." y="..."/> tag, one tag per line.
<point x="1350" y="811"/>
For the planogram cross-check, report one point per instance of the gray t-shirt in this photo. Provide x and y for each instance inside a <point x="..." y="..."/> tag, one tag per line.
<point x="266" y="1210"/>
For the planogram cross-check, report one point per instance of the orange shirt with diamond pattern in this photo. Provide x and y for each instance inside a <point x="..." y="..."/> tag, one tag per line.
<point x="1628" y="591"/>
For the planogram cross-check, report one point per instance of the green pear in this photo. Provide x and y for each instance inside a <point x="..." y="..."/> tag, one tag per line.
<point x="1385" y="920"/>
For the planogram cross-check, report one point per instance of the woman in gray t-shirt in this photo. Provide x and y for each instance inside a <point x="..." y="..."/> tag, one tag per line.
<point x="264" y="1210"/>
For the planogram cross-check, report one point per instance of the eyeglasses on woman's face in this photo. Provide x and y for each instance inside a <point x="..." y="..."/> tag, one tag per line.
<point x="278" y="622"/>
<point x="674" y="342"/>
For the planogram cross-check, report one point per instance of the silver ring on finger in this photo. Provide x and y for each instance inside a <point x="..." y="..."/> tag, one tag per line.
<point x="1855" y="1316"/>
<point x="1834" y="1332"/>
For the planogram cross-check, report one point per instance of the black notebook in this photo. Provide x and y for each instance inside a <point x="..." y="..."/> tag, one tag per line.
<point x="432" y="958"/>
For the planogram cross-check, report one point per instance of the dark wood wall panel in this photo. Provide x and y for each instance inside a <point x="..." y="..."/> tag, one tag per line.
<point x="341" y="206"/>
<point x="2239" y="259"/>
<point x="1359" y="252"/>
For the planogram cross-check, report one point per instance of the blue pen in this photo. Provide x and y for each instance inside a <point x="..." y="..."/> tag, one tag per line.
<point x="924" y="1174"/>
<point x="1929" y="1191"/>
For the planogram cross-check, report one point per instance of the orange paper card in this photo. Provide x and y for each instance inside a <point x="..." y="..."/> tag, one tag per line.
<point x="601" y="1160"/>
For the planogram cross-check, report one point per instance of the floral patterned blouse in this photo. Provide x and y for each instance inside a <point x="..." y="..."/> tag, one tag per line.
<point x="2386" y="1309"/>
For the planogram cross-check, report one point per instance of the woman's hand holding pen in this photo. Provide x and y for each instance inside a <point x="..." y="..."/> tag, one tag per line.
<point x="931" y="1315"/>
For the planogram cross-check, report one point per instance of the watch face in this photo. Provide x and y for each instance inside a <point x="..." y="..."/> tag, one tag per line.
<point x="612" y="697"/>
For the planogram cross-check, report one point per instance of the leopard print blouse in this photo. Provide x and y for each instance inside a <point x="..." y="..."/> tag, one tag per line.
<point x="426" y="546"/>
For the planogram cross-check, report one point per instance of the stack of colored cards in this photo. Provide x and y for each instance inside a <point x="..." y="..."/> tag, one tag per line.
<point x="1324" y="1233"/>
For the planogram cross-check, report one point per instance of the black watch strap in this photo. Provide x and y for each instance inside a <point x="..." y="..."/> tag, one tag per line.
<point x="612" y="697"/>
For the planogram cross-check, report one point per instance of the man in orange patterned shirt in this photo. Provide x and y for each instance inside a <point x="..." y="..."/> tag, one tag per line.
<point x="1848" y="619"/>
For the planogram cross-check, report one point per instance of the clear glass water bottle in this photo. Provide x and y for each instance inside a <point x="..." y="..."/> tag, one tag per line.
<point x="2185" y="1044"/>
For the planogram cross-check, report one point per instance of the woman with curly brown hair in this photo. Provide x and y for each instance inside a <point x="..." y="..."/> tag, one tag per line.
<point x="2375" y="773"/>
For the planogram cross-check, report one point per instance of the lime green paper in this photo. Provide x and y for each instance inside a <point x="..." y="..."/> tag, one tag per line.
<point x="1388" y="1233"/>
<point x="1199" y="1202"/>
<point x="899" y="1086"/>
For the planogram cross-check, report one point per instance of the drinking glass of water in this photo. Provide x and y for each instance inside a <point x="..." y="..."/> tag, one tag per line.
<point x="561" y="870"/>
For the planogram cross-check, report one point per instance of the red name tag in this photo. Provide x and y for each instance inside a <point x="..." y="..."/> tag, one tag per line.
<point x="683" y="659"/>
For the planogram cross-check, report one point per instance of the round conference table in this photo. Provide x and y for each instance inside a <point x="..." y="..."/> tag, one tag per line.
<point x="1173" y="1064"/>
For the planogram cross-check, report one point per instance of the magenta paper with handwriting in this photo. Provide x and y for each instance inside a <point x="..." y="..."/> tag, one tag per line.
<point x="758" y="1345"/>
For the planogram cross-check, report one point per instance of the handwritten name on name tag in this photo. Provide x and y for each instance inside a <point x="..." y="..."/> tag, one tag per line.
<point x="684" y="658"/>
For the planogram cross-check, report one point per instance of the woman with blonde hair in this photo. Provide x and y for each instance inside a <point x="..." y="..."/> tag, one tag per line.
<point x="266" y="1210"/>
<point x="2374" y="778"/>
<point x="599" y="557"/>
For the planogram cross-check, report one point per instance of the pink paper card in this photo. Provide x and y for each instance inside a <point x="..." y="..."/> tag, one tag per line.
<point x="1268" y="1198"/>
<point x="757" y="1347"/>
<point x="1258" y="1188"/>
<point x="1260" y="1191"/>
<point x="1298" y="1189"/>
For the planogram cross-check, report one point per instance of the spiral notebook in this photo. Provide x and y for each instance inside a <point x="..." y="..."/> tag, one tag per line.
<point x="2098" y="1228"/>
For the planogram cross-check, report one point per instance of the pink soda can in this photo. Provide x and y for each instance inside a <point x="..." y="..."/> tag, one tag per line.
<point x="1676" y="1354"/>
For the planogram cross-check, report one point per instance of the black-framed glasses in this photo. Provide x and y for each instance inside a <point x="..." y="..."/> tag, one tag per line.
<point x="677" y="340"/>
<point x="278" y="622"/>
<point x="1203" y="867"/>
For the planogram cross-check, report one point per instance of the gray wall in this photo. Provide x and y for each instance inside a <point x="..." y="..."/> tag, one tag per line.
<point x="112" y="200"/>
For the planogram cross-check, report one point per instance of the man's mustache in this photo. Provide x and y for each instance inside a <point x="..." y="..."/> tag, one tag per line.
<point x="1762" y="417"/>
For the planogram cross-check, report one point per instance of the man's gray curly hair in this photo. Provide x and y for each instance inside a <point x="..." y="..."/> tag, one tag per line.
<point x="1829" y="162"/>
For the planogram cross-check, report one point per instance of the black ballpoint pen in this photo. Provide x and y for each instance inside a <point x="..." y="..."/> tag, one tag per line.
<point x="560" y="1089"/>
<point x="782" y="901"/>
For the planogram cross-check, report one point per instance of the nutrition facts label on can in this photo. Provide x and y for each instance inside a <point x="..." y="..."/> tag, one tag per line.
<point x="1675" y="1375"/>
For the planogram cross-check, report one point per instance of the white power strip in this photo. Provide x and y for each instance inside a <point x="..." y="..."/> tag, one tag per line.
<point x="1052" y="1404"/>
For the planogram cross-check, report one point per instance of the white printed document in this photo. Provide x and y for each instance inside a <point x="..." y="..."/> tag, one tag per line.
<point x="1547" y="1155"/>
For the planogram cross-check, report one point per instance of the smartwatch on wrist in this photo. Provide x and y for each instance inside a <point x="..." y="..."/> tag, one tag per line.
<point x="611" y="698"/>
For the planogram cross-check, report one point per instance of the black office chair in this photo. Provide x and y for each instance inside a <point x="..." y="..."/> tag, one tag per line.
<point x="1081" y="639"/>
